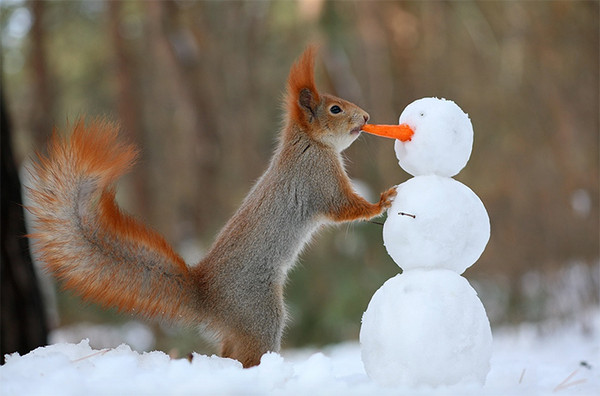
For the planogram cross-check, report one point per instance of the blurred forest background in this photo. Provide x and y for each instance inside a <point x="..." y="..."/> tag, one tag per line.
<point x="198" y="85"/>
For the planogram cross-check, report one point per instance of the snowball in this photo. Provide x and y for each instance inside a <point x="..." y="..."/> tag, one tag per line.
<point x="442" y="141"/>
<point x="426" y="327"/>
<point x="436" y="222"/>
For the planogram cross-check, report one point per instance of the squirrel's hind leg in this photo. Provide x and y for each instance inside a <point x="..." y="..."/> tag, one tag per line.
<point x="247" y="340"/>
<point x="246" y="349"/>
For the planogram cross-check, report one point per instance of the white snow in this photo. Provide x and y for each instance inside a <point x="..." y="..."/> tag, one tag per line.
<point x="436" y="222"/>
<point x="525" y="362"/>
<point x="442" y="141"/>
<point x="426" y="327"/>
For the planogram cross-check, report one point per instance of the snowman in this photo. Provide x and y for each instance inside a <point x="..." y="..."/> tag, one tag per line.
<point x="427" y="326"/>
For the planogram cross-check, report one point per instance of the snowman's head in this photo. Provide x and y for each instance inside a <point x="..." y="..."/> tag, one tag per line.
<point x="442" y="140"/>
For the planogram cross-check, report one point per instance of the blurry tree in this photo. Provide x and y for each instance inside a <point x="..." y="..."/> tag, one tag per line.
<point x="23" y="324"/>
<point x="42" y="108"/>
<point x="199" y="84"/>
<point x="127" y="98"/>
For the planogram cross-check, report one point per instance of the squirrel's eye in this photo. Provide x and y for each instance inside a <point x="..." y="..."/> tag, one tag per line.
<point x="335" y="109"/>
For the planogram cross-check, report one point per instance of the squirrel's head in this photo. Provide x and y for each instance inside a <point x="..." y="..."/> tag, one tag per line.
<point x="325" y="118"/>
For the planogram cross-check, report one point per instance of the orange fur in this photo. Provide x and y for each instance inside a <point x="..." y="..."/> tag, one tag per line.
<point x="301" y="77"/>
<point x="84" y="238"/>
<point x="357" y="208"/>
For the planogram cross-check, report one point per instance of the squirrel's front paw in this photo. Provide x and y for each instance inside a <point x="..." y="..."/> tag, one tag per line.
<point x="387" y="197"/>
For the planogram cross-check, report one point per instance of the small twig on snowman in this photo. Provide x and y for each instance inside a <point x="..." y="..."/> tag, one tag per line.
<point x="407" y="214"/>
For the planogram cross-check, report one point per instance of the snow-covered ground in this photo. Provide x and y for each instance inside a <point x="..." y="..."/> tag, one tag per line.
<point x="554" y="359"/>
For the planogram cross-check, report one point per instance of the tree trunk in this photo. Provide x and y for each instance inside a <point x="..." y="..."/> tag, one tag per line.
<point x="192" y="133"/>
<point x="41" y="116"/>
<point x="23" y="325"/>
<point x="128" y="103"/>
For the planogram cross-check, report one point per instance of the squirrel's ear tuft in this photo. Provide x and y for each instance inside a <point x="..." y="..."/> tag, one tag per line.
<point x="302" y="96"/>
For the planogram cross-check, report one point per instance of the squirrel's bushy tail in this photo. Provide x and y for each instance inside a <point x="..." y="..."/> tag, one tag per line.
<point x="83" y="237"/>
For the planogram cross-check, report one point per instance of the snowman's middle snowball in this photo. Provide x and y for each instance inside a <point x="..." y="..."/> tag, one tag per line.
<point x="436" y="222"/>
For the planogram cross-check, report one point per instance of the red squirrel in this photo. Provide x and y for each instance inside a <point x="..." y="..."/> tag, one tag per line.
<point x="236" y="290"/>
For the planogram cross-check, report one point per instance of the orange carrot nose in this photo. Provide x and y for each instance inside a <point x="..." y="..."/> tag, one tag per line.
<point x="401" y="132"/>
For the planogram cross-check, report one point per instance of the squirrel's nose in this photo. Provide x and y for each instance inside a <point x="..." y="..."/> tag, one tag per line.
<point x="366" y="117"/>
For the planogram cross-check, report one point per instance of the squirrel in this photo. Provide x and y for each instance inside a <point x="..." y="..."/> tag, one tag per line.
<point x="236" y="290"/>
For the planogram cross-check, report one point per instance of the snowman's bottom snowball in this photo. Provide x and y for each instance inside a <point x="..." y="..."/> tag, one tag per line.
<point x="426" y="327"/>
